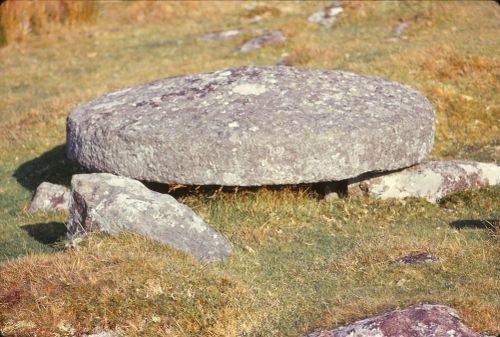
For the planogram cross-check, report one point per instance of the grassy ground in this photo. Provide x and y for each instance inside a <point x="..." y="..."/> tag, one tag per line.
<point x="300" y="263"/>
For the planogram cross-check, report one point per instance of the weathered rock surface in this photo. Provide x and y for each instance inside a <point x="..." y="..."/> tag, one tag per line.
<point x="328" y="15"/>
<point x="262" y="40"/>
<point x="110" y="203"/>
<point x="253" y="126"/>
<point x="421" y="320"/>
<point x="49" y="198"/>
<point x="431" y="180"/>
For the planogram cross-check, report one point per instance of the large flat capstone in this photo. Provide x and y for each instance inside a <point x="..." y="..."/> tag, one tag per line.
<point x="253" y="125"/>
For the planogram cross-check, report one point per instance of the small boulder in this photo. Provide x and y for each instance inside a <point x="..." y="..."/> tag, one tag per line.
<point x="421" y="320"/>
<point x="49" y="198"/>
<point x="112" y="204"/>
<point x="328" y="15"/>
<point x="264" y="39"/>
<point x="431" y="180"/>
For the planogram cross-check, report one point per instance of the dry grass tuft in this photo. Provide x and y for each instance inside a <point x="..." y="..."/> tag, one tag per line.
<point x="261" y="11"/>
<point x="174" y="11"/>
<point x="445" y="64"/>
<point x="21" y="19"/>
<point x="117" y="283"/>
<point x="299" y="263"/>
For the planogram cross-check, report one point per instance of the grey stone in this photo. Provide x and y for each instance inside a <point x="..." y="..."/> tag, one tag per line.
<point x="222" y="35"/>
<point x="431" y="180"/>
<point x="328" y="15"/>
<point x="106" y="333"/>
<point x="227" y="34"/>
<point x="110" y="203"/>
<point x="49" y="198"/>
<point x="421" y="320"/>
<point x="264" y="39"/>
<point x="400" y="27"/>
<point x="253" y="126"/>
<point x="417" y="258"/>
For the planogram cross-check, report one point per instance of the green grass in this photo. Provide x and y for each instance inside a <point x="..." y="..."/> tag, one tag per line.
<point x="300" y="263"/>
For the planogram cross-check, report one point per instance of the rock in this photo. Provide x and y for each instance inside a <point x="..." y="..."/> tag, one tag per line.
<point x="106" y="333"/>
<point x="398" y="29"/>
<point x="421" y="320"/>
<point x="431" y="180"/>
<point x="49" y="198"/>
<point x="109" y="203"/>
<point x="264" y="39"/>
<point x="222" y="35"/>
<point x="417" y="258"/>
<point x="253" y="126"/>
<point x="328" y="15"/>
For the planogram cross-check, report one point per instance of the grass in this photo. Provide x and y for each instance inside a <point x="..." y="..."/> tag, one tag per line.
<point x="300" y="263"/>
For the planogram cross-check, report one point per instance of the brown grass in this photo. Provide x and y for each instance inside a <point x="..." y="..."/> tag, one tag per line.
<point x="299" y="263"/>
<point x="173" y="11"/>
<point x="21" y="19"/>
<point x="116" y="284"/>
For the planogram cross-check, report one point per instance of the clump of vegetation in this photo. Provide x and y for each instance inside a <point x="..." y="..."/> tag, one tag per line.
<point x="21" y="19"/>
<point x="300" y="263"/>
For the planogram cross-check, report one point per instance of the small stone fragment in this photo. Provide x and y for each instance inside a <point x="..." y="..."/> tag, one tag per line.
<point x="112" y="204"/>
<point x="50" y="198"/>
<point x="398" y="29"/>
<point x="105" y="333"/>
<point x="222" y="35"/>
<point x="417" y="258"/>
<point x="431" y="180"/>
<point x="328" y="15"/>
<point x="227" y="34"/>
<point x="266" y="38"/>
<point x="420" y="320"/>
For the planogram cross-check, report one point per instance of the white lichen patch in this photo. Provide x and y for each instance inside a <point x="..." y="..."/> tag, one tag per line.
<point x="405" y="184"/>
<point x="490" y="172"/>
<point x="249" y="89"/>
<point x="107" y="105"/>
<point x="119" y="92"/>
<point x="224" y="73"/>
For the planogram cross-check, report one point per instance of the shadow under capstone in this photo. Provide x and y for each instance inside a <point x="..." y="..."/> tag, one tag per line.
<point x="316" y="190"/>
<point x="46" y="233"/>
<point x="52" y="166"/>
<point x="481" y="224"/>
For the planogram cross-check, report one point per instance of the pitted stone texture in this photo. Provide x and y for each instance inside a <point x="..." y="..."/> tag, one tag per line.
<point x="109" y="203"/>
<point x="49" y="198"/>
<point x="421" y="320"/>
<point x="253" y="126"/>
<point x="431" y="180"/>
